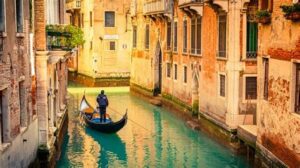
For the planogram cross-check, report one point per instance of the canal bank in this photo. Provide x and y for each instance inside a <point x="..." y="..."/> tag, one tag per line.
<point x="241" y="140"/>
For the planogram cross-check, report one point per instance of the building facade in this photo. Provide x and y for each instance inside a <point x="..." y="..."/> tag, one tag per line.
<point x="107" y="34"/>
<point x="201" y="54"/>
<point x="18" y="115"/>
<point x="278" y="86"/>
<point x="51" y="75"/>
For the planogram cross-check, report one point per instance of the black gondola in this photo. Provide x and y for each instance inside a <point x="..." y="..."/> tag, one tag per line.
<point x="108" y="127"/>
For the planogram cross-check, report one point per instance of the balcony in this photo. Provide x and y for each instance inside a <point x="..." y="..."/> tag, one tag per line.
<point x="72" y="5"/>
<point x="191" y="7"/>
<point x="157" y="8"/>
<point x="63" y="37"/>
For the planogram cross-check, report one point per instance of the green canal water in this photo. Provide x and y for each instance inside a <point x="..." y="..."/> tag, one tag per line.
<point x="153" y="137"/>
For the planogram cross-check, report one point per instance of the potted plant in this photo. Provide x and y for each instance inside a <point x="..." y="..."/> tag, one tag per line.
<point x="291" y="12"/>
<point x="263" y="16"/>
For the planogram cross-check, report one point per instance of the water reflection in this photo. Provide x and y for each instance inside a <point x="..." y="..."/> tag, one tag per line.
<point x="112" y="148"/>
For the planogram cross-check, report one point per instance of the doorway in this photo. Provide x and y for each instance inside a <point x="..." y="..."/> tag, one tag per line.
<point x="157" y="70"/>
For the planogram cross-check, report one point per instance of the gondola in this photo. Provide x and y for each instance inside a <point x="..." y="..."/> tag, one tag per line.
<point x="109" y="126"/>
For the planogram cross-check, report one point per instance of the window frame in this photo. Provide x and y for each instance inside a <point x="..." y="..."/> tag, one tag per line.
<point x="245" y="88"/>
<point x="110" y="45"/>
<point x="22" y="16"/>
<point x="185" y="38"/>
<point x="175" y="71"/>
<point x="266" y="61"/>
<point x="114" y="19"/>
<point x="185" y="74"/>
<point x="4" y="18"/>
<point x="196" y="40"/>
<point x="168" y="70"/>
<point x="91" y="18"/>
<point x="168" y="35"/>
<point x="134" y="36"/>
<point x="175" y="41"/>
<point x="220" y="74"/>
<point x="147" y="37"/>
<point x="218" y="36"/>
<point x="294" y="93"/>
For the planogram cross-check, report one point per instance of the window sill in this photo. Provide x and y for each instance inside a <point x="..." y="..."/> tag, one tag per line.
<point x="222" y="58"/>
<point x="20" y="35"/>
<point x="249" y="60"/>
<point x="185" y="53"/>
<point x="4" y="146"/>
<point x="3" y="34"/>
<point x="296" y="115"/>
<point x="196" y="55"/>
<point x="251" y="101"/>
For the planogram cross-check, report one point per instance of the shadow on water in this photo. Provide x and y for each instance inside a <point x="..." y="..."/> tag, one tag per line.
<point x="111" y="146"/>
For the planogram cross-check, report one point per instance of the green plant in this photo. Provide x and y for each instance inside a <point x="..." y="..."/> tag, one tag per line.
<point x="288" y="9"/>
<point x="66" y="35"/>
<point x="263" y="13"/>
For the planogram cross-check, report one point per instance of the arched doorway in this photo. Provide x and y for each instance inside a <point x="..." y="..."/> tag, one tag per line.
<point x="157" y="70"/>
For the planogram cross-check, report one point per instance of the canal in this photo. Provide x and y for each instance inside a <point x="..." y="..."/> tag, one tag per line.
<point x="153" y="137"/>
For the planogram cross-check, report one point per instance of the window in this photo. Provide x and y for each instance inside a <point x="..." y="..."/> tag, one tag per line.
<point x="196" y="35"/>
<point x="185" y="74"/>
<point x="252" y="34"/>
<point x="134" y="33"/>
<point x="19" y="15"/>
<point x="184" y="36"/>
<point x="169" y="35"/>
<point x="91" y="45"/>
<point x="297" y="90"/>
<point x="147" y="37"/>
<point x="22" y="95"/>
<point x="222" y="85"/>
<point x="266" y="78"/>
<point x="266" y="5"/>
<point x="251" y="88"/>
<point x="222" y="35"/>
<point x="82" y="20"/>
<point x="175" y="71"/>
<point x="175" y="36"/>
<point x="109" y="19"/>
<point x="168" y="70"/>
<point x="2" y="16"/>
<point x="3" y="117"/>
<point x="112" y="45"/>
<point x="91" y="19"/>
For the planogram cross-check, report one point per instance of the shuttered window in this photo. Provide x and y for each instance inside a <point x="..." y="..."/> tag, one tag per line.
<point x="2" y="16"/>
<point x="19" y="15"/>
<point x="134" y="33"/>
<point x="82" y="20"/>
<point x="252" y="35"/>
<point x="168" y="35"/>
<point x="147" y="37"/>
<point x="175" y="36"/>
<point x="109" y="19"/>
<point x="222" y="35"/>
<point x="251" y="88"/>
<point x="297" y="96"/>
<point x="266" y="78"/>
<point x="185" y="36"/>
<point x="222" y="85"/>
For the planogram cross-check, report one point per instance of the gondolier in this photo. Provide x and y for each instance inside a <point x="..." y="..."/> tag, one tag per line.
<point x="103" y="103"/>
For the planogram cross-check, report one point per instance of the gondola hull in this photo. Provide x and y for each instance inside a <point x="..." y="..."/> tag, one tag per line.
<point x="108" y="127"/>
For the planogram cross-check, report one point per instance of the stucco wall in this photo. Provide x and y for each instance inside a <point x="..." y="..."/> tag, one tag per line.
<point x="279" y="126"/>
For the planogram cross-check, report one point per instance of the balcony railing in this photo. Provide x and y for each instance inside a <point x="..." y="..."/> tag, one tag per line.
<point x="57" y="41"/>
<point x="73" y="4"/>
<point x="182" y="2"/>
<point x="157" y="6"/>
